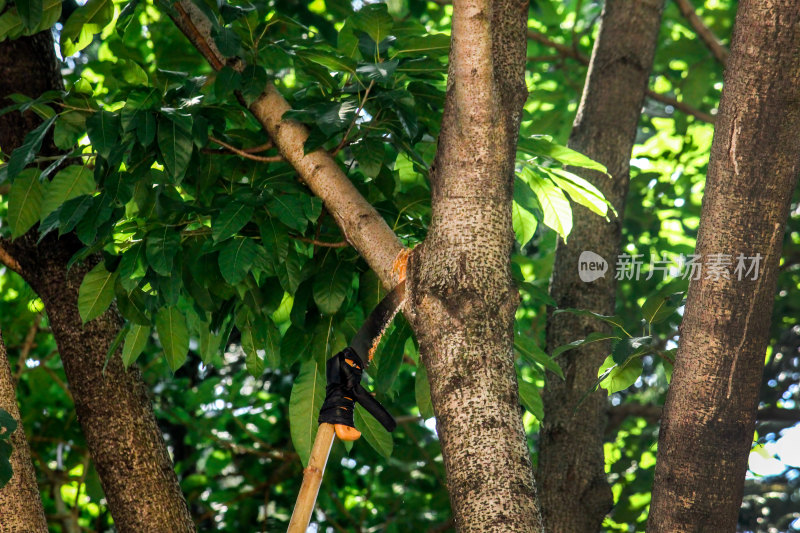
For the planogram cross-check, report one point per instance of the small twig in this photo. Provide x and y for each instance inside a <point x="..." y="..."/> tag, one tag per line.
<point x="246" y="154"/>
<point x="315" y="242"/>
<point x="8" y="261"/>
<point x="27" y="345"/>
<point x="73" y="108"/>
<point x="711" y="41"/>
<point x="355" y="117"/>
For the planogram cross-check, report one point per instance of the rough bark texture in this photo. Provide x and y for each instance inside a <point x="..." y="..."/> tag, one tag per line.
<point x="575" y="495"/>
<point x="709" y="415"/>
<point x="462" y="295"/>
<point x="20" y="506"/>
<point x="113" y="408"/>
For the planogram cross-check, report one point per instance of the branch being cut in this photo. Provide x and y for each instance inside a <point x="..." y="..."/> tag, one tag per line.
<point x="711" y="41"/>
<point x="360" y="223"/>
<point x="569" y="51"/>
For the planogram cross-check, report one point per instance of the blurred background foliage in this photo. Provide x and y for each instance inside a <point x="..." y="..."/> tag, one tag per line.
<point x="225" y="412"/>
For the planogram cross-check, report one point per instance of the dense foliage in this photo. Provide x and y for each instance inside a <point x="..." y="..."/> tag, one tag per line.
<point x="236" y="285"/>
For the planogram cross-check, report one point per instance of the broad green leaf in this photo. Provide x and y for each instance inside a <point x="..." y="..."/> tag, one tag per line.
<point x="332" y="283"/>
<point x="30" y="11"/>
<point x="434" y="45"/>
<point x="6" y="471"/>
<point x="253" y="361"/>
<point x="629" y="347"/>
<point x="162" y="245"/>
<point x="422" y="392"/>
<point x="11" y="25"/>
<point x="25" y="154"/>
<point x="254" y="81"/>
<point x="132" y="266"/>
<point x="272" y="344"/>
<point x="231" y="219"/>
<point x="555" y="206"/>
<point x="135" y="341"/>
<point x="370" y="155"/>
<point x="609" y="319"/>
<point x="581" y="191"/>
<point x="328" y="60"/>
<point x="530" y="398"/>
<point x="595" y="336"/>
<point x="236" y="258"/>
<point x="374" y="19"/>
<point x="614" y="377"/>
<point x="210" y="342"/>
<point x="295" y="345"/>
<point x="524" y="196"/>
<point x="275" y="238"/>
<point x="305" y="401"/>
<point x="8" y="425"/>
<point x="173" y="336"/>
<point x="96" y="292"/>
<point x="390" y="356"/>
<point x="71" y="182"/>
<point x="380" y="72"/>
<point x="372" y="430"/>
<point x="103" y="129"/>
<point x="83" y="24"/>
<point x="290" y="271"/>
<point x="528" y="348"/>
<point x="175" y="143"/>
<point x="132" y="305"/>
<point x="542" y="145"/>
<point x="73" y="212"/>
<point x="24" y="202"/>
<point x="659" y="306"/>
<point x="524" y="224"/>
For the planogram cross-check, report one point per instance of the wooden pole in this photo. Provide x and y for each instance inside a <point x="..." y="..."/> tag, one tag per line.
<point x="312" y="478"/>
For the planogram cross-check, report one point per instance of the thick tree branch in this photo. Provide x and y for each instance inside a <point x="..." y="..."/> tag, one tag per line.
<point x="7" y="260"/>
<point x="569" y="51"/>
<point x="360" y="223"/>
<point x="711" y="41"/>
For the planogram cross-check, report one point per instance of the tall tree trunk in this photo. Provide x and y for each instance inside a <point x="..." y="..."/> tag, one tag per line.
<point x="462" y="296"/>
<point x="113" y="408"/>
<point x="20" y="506"/>
<point x="709" y="415"/>
<point x="575" y="495"/>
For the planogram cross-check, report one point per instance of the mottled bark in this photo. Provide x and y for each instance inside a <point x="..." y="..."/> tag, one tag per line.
<point x="462" y="295"/>
<point x="20" y="506"/>
<point x="113" y="408"/>
<point x="575" y="495"/>
<point x="709" y="415"/>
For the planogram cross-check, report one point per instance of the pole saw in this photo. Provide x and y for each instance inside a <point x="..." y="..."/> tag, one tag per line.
<point x="343" y="372"/>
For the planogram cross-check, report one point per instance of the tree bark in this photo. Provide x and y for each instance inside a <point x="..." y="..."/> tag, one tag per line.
<point x="575" y="495"/>
<point x="20" y="505"/>
<point x="115" y="413"/>
<point x="709" y="415"/>
<point x="462" y="297"/>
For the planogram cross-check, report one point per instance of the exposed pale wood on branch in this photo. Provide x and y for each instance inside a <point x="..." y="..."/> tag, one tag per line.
<point x="712" y="42"/>
<point x="569" y="51"/>
<point x="360" y="223"/>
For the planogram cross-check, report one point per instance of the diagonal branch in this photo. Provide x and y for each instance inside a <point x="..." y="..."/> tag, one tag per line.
<point x="360" y="223"/>
<point x="711" y="41"/>
<point x="569" y="51"/>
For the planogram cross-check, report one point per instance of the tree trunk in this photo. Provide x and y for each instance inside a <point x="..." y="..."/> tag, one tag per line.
<point x="113" y="408"/>
<point x="709" y="415"/>
<point x="20" y="506"/>
<point x="575" y="495"/>
<point x="462" y="297"/>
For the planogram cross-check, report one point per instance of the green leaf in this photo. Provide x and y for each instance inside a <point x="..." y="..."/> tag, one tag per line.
<point x="328" y="60"/>
<point x="370" y="155"/>
<point x="528" y="348"/>
<point x="73" y="212"/>
<point x="173" y="336"/>
<point x="524" y="224"/>
<point x="25" y="154"/>
<point x="83" y="23"/>
<point x="390" y="356"/>
<point x="542" y="145"/>
<point x="132" y="267"/>
<point x="530" y="398"/>
<point x="380" y="72"/>
<point x="614" y="377"/>
<point x="162" y="245"/>
<point x="5" y="465"/>
<point x="24" y="202"/>
<point x="433" y="45"/>
<point x="272" y="344"/>
<point x="422" y="392"/>
<point x="103" y="129"/>
<point x="69" y="183"/>
<point x="30" y="11"/>
<point x="254" y="81"/>
<point x="630" y="347"/>
<point x="332" y="283"/>
<point x="96" y="292"/>
<point x="595" y="336"/>
<point x="236" y="258"/>
<point x="11" y="25"/>
<point x="614" y="320"/>
<point x="659" y="306"/>
<point x="231" y="219"/>
<point x="135" y="341"/>
<point x="253" y="362"/>
<point x="372" y="430"/>
<point x="581" y="191"/>
<point x="8" y="425"/>
<point x="374" y="19"/>
<point x="305" y="401"/>
<point x="555" y="206"/>
<point x="175" y="143"/>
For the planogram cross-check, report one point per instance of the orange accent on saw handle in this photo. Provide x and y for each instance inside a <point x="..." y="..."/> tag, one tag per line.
<point x="346" y="432"/>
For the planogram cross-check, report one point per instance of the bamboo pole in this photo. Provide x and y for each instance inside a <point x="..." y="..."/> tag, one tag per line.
<point x="312" y="478"/>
